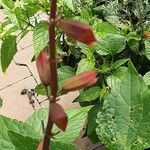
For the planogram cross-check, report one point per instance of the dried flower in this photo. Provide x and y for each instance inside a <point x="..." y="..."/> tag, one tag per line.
<point x="78" y="31"/>
<point x="80" y="81"/>
<point x="58" y="116"/>
<point x="43" y="68"/>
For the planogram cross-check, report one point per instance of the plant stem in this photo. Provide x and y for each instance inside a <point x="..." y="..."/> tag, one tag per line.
<point x="53" y="63"/>
<point x="52" y="49"/>
<point x="47" y="136"/>
<point x="140" y="6"/>
<point x="53" y="66"/>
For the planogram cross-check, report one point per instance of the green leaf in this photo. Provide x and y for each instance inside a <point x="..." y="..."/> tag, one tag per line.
<point x="85" y="64"/>
<point x="8" y="30"/>
<point x="7" y="124"/>
<point x="116" y="21"/>
<point x="7" y="4"/>
<point x="110" y="44"/>
<point x="89" y="95"/>
<point x="116" y="76"/>
<point x="1" y="102"/>
<point x="22" y="142"/>
<point x="40" y="89"/>
<point x="31" y="9"/>
<point x="64" y="73"/>
<point x="91" y="125"/>
<point x="105" y="28"/>
<point x="118" y="63"/>
<point x="146" y="78"/>
<point x="70" y="4"/>
<point x="4" y="145"/>
<point x="15" y="17"/>
<point x="134" y="45"/>
<point x="40" y="37"/>
<point x="8" y="50"/>
<point x="86" y="15"/>
<point x="56" y="145"/>
<point x="123" y="123"/>
<point x="147" y="48"/>
<point x="77" y="118"/>
<point x="35" y="119"/>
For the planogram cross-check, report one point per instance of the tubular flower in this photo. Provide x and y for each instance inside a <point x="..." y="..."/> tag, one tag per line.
<point x="43" y="68"/>
<point x="40" y="145"/>
<point x="78" y="31"/>
<point x="58" y="116"/>
<point x="80" y="81"/>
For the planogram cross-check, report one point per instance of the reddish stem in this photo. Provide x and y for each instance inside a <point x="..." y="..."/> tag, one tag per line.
<point x="53" y="65"/>
<point x="52" y="49"/>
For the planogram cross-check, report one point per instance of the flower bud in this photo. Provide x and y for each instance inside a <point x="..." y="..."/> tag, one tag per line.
<point x="40" y="146"/>
<point x="58" y="116"/>
<point x="83" y="80"/>
<point x="146" y="34"/>
<point x="78" y="31"/>
<point x="43" y="67"/>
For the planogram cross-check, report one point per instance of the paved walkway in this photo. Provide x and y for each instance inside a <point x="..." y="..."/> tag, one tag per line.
<point x="18" y="78"/>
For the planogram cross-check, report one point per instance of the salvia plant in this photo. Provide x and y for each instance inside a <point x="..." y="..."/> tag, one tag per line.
<point x="100" y="48"/>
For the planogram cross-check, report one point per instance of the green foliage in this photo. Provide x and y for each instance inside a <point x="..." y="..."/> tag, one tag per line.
<point x="62" y="146"/>
<point x="40" y="37"/>
<point x="64" y="73"/>
<point x="147" y="49"/>
<point x="22" y="142"/>
<point x="7" y="4"/>
<point x="85" y="64"/>
<point x="71" y="4"/>
<point x="8" y="50"/>
<point x="15" y="135"/>
<point x="111" y="44"/>
<point x="120" y="97"/>
<point x="40" y="89"/>
<point x="77" y="118"/>
<point x="146" y="78"/>
<point x="118" y="63"/>
<point x="8" y="125"/>
<point x="123" y="122"/>
<point x="89" y="95"/>
<point x="105" y="28"/>
<point x="116" y="76"/>
<point x="91" y="125"/>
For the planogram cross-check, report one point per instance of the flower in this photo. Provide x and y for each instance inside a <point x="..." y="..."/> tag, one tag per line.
<point x="43" y="67"/>
<point x="85" y="79"/>
<point x="58" y="116"/>
<point x="40" y="145"/>
<point x="78" y="31"/>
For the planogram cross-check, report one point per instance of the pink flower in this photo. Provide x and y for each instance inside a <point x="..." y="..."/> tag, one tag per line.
<point x="43" y="67"/>
<point x="78" y="31"/>
<point x="40" y="145"/>
<point x="80" y="81"/>
<point x="58" y="116"/>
